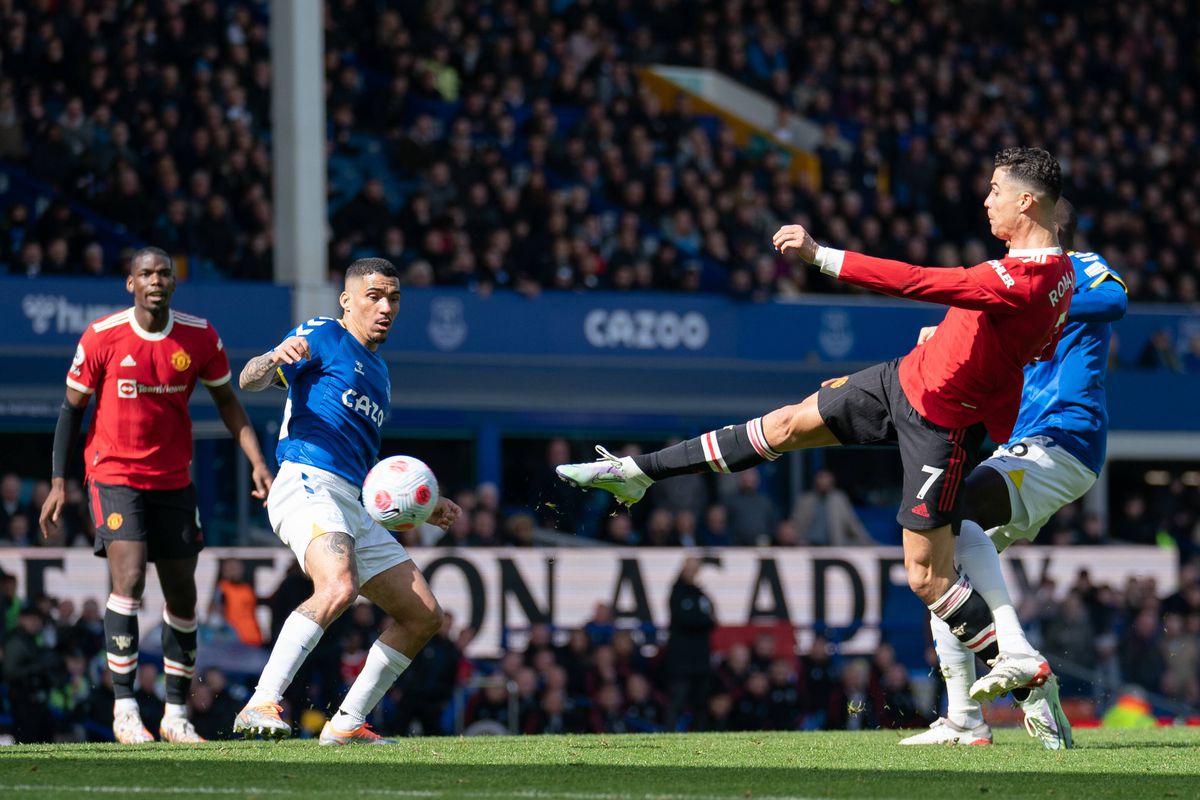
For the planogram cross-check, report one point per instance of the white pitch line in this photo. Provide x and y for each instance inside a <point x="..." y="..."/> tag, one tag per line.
<point x="242" y="791"/>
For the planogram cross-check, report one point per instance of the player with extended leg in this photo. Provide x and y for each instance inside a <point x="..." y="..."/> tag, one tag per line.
<point x="339" y="395"/>
<point x="1052" y="458"/>
<point x="934" y="403"/>
<point x="143" y="364"/>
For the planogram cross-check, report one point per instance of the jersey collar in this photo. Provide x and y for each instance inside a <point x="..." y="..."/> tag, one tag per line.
<point x="1025" y="252"/>
<point x="147" y="335"/>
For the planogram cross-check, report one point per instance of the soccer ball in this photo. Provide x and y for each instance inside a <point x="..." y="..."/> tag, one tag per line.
<point x="400" y="492"/>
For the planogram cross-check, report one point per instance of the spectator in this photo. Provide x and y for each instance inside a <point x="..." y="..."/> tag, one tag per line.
<point x="689" y="652"/>
<point x="824" y="516"/>
<point x="752" y="515"/>
<point x="1140" y="652"/>
<point x="27" y="671"/>
<point x="235" y="604"/>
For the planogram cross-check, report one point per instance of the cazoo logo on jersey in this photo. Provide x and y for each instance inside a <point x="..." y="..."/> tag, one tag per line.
<point x="645" y="329"/>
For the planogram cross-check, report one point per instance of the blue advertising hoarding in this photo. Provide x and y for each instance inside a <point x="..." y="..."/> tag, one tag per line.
<point x="459" y="357"/>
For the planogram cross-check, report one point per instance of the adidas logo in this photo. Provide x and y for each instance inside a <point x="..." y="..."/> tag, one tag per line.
<point x="921" y="511"/>
<point x="128" y="362"/>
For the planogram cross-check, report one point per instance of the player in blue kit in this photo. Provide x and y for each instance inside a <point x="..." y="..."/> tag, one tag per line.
<point x="1053" y="457"/>
<point x="339" y="395"/>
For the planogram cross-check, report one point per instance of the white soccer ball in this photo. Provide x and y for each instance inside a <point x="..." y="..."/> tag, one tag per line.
<point x="400" y="492"/>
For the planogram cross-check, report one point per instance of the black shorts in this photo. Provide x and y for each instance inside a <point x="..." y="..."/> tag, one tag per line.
<point x="167" y="520"/>
<point x="869" y="407"/>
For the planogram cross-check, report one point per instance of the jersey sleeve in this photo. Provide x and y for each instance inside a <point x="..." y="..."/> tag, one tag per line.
<point x="321" y="341"/>
<point x="985" y="287"/>
<point x="1100" y="294"/>
<point x="87" y="367"/>
<point x="215" y="371"/>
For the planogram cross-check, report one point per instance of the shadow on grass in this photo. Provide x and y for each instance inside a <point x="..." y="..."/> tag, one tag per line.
<point x="235" y="775"/>
<point x="1134" y="744"/>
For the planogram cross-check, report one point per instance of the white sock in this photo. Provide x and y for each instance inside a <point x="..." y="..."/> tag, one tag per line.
<point x="958" y="668"/>
<point x="633" y="473"/>
<point x="126" y="705"/>
<point x="384" y="665"/>
<point x="296" y="640"/>
<point x="978" y="558"/>
<point x="173" y="710"/>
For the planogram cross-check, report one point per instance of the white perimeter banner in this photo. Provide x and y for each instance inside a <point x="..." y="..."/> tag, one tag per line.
<point x="853" y="589"/>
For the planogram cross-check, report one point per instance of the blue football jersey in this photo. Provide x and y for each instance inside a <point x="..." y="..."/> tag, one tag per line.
<point x="1064" y="397"/>
<point x="338" y="400"/>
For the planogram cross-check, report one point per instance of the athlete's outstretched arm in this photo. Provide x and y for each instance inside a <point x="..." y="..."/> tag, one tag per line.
<point x="262" y="371"/>
<point x="238" y="424"/>
<point x="985" y="287"/>
<point x="1103" y="302"/>
<point x="66" y="434"/>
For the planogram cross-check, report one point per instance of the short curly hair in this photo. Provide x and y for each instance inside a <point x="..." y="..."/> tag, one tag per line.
<point x="1034" y="166"/>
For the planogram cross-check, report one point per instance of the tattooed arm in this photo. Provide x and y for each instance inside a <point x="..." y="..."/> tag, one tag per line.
<point x="262" y="371"/>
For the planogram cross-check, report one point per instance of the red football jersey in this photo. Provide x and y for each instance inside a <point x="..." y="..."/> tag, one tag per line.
<point x="1004" y="314"/>
<point x="141" y="433"/>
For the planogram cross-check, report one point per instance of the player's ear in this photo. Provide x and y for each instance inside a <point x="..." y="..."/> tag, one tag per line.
<point x="129" y="282"/>
<point x="344" y="301"/>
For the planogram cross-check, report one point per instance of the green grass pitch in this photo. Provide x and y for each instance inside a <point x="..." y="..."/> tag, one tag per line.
<point x="1161" y="763"/>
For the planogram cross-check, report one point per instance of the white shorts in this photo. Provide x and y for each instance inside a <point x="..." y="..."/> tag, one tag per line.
<point x="1041" y="478"/>
<point x="306" y="502"/>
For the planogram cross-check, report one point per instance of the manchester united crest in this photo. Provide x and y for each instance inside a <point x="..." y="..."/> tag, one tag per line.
<point x="115" y="521"/>
<point x="180" y="360"/>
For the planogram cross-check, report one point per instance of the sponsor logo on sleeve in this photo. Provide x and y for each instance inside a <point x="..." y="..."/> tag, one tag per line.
<point x="1003" y="273"/>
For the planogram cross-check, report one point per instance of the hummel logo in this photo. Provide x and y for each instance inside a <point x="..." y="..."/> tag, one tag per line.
<point x="128" y="362"/>
<point x="358" y="367"/>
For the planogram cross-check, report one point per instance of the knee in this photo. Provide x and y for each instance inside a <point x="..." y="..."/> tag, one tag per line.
<point x="129" y="583"/>
<point x="423" y="626"/>
<point x="920" y="578"/>
<point x="337" y="596"/>
<point x="431" y="622"/>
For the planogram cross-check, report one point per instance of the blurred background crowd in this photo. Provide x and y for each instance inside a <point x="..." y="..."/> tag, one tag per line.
<point x="504" y="144"/>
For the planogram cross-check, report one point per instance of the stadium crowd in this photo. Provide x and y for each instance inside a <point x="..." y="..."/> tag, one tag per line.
<point x="599" y="678"/>
<point x="521" y="149"/>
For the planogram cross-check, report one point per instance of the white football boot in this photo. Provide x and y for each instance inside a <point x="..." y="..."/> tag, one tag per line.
<point x="1044" y="717"/>
<point x="943" y="731"/>
<point x="262" y="720"/>
<point x="619" y="476"/>
<point x="179" y="730"/>
<point x="128" y="728"/>
<point x="1011" y="671"/>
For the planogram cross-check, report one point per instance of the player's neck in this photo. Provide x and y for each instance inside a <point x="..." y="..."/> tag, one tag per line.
<point x="1032" y="236"/>
<point x="150" y="321"/>
<point x="362" y="339"/>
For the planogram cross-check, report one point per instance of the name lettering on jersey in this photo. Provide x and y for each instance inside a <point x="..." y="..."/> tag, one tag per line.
<point x="363" y="405"/>
<point x="1066" y="284"/>
<point x="1003" y="273"/>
